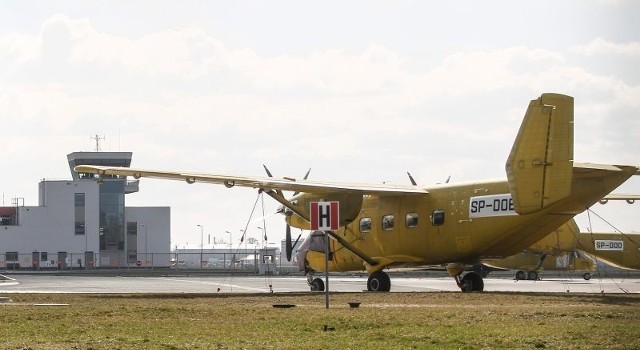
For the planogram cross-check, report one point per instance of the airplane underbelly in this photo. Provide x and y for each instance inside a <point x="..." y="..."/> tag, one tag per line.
<point x="338" y="263"/>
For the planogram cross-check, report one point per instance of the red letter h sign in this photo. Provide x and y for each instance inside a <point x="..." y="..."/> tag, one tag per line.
<point x="324" y="216"/>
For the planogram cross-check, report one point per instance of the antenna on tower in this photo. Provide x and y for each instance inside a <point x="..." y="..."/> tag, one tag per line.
<point x="97" y="138"/>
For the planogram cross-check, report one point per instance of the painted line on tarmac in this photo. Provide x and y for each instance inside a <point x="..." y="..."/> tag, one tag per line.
<point x="217" y="284"/>
<point x="7" y="281"/>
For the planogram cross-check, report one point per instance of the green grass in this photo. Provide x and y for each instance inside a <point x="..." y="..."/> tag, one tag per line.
<point x="383" y="321"/>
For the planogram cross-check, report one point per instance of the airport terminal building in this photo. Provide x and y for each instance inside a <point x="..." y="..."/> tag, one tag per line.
<point x="84" y="223"/>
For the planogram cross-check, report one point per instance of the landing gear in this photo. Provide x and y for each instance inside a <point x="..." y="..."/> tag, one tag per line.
<point x="531" y="275"/>
<point x="316" y="284"/>
<point x="471" y="282"/>
<point x="379" y="282"/>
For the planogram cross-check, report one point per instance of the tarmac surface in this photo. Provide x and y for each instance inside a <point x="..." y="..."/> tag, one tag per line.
<point x="48" y="283"/>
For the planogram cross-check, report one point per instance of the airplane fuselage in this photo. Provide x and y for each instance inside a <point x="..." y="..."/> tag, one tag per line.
<point x="620" y="250"/>
<point x="453" y="223"/>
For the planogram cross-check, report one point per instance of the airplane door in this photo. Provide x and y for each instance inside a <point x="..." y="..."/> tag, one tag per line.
<point x="458" y="213"/>
<point x="62" y="260"/>
<point x="35" y="260"/>
<point x="88" y="260"/>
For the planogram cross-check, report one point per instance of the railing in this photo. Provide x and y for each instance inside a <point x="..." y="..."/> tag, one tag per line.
<point x="206" y="261"/>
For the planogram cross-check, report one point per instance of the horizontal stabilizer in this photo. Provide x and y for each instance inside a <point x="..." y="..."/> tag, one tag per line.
<point x="539" y="167"/>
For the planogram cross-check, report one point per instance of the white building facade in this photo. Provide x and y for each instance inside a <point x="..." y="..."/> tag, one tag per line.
<point x="83" y="223"/>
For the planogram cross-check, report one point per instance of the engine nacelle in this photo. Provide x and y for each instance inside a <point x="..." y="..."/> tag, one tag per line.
<point x="350" y="205"/>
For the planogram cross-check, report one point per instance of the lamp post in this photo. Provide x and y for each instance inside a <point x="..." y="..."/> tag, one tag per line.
<point x="201" y="242"/>
<point x="230" y="239"/>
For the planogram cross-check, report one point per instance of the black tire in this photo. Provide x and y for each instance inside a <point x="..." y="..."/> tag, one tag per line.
<point x="379" y="281"/>
<point x="586" y="276"/>
<point x="520" y="275"/>
<point x="472" y="282"/>
<point x="317" y="285"/>
<point x="532" y="275"/>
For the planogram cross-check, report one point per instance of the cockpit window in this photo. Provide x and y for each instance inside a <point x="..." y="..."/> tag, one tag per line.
<point x="365" y="224"/>
<point x="387" y="222"/>
<point x="411" y="220"/>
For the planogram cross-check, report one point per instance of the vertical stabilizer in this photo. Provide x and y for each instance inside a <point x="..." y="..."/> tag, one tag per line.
<point x="540" y="165"/>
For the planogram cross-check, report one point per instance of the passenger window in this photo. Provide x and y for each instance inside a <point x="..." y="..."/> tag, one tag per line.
<point x="411" y="220"/>
<point x="437" y="218"/>
<point x="387" y="222"/>
<point x="365" y="224"/>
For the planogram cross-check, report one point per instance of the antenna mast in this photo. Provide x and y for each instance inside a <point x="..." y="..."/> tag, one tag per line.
<point x="97" y="138"/>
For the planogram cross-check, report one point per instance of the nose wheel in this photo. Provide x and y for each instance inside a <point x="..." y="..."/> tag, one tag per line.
<point x="471" y="282"/>
<point x="317" y="285"/>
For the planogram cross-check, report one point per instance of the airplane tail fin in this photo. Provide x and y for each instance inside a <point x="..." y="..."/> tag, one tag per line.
<point x="540" y="165"/>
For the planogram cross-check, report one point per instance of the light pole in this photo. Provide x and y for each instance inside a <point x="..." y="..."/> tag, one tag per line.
<point x="201" y="242"/>
<point x="230" y="239"/>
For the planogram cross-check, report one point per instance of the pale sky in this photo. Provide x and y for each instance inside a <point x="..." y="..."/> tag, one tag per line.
<point x="357" y="91"/>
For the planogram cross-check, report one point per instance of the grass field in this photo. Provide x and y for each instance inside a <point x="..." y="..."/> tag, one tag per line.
<point x="383" y="321"/>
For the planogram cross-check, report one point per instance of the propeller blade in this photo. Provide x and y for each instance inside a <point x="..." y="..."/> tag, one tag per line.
<point x="305" y="177"/>
<point x="270" y="175"/>
<point x="288" y="246"/>
<point x="267" y="170"/>
<point x="297" y="239"/>
<point x="307" y="174"/>
<point x="413" y="182"/>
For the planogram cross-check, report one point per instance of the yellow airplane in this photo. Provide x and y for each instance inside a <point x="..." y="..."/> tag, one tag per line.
<point x="617" y="249"/>
<point x="381" y="225"/>
<point x="555" y="252"/>
<point x="559" y="250"/>
<point x="531" y="263"/>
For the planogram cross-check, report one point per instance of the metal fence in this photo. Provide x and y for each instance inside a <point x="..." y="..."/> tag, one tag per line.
<point x="206" y="261"/>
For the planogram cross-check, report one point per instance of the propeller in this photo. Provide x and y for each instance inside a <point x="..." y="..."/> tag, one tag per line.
<point x="413" y="181"/>
<point x="305" y="177"/>
<point x="288" y="246"/>
<point x="269" y="174"/>
<point x="288" y="242"/>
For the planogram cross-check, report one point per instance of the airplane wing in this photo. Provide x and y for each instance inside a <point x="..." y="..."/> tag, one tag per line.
<point x="630" y="198"/>
<point x="622" y="197"/>
<point x="265" y="183"/>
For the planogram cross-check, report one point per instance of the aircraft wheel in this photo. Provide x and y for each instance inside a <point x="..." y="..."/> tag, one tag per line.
<point x="472" y="282"/>
<point x="317" y="285"/>
<point x="586" y="276"/>
<point x="520" y="275"/>
<point x="532" y="275"/>
<point x="379" y="282"/>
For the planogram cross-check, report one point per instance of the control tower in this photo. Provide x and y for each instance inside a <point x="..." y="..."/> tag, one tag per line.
<point x="112" y="190"/>
<point x="122" y="159"/>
